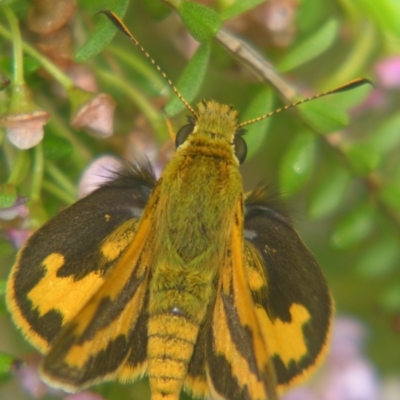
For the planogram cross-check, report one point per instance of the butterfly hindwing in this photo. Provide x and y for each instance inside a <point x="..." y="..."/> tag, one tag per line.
<point x="66" y="261"/>
<point x="292" y="300"/>
<point x="237" y="357"/>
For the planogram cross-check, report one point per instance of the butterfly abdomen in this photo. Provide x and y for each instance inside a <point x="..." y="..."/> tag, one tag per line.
<point x="171" y="339"/>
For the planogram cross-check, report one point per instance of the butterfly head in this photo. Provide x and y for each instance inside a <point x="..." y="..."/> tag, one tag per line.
<point x="217" y="124"/>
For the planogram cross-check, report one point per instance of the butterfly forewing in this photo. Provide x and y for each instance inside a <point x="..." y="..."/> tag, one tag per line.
<point x="95" y="345"/>
<point x="65" y="262"/>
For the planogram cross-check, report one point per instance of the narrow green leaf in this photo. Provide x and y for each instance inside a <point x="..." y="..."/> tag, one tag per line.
<point x="385" y="13"/>
<point x="390" y="299"/>
<point x="363" y="158"/>
<point x="311" y="47"/>
<point x="6" y="2"/>
<point x="239" y="7"/>
<point x="297" y="164"/>
<point x="6" y="362"/>
<point x="379" y="259"/>
<point x="389" y="194"/>
<point x="3" y="284"/>
<point x="103" y="32"/>
<point x="324" y="115"/>
<point x="201" y="22"/>
<point x="353" y="228"/>
<point x="31" y="65"/>
<point x="156" y="8"/>
<point x="3" y="308"/>
<point x="387" y="136"/>
<point x="261" y="103"/>
<point x="191" y="80"/>
<point x="328" y="194"/>
<point x="6" y="249"/>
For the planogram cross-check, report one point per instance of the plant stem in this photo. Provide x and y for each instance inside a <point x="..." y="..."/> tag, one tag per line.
<point x="56" y="191"/>
<point x="61" y="179"/>
<point x="18" y="166"/>
<point x="51" y="68"/>
<point x="37" y="172"/>
<point x="18" y="73"/>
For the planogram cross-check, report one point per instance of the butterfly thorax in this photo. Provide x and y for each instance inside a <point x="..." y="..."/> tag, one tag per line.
<point x="200" y="189"/>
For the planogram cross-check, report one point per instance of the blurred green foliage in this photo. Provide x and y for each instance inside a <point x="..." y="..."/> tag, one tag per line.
<point x="335" y="160"/>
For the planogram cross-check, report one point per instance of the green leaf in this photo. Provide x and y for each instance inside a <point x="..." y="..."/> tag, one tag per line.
<point x="6" y="2"/>
<point x="239" y="7"/>
<point x="6" y="249"/>
<point x="362" y="157"/>
<point x="31" y="65"/>
<point x="6" y="362"/>
<point x="379" y="259"/>
<point x="328" y="194"/>
<point x="324" y="115"/>
<point x="386" y="137"/>
<point x="191" y="80"/>
<point x="201" y="22"/>
<point x="261" y="103"/>
<point x="353" y="228"/>
<point x="329" y="114"/>
<point x="390" y="298"/>
<point x="311" y="47"/>
<point x="8" y="195"/>
<point x="389" y="194"/>
<point x="55" y="147"/>
<point x="156" y="8"/>
<point x="3" y="308"/>
<point x="385" y="13"/>
<point x="297" y="164"/>
<point x="103" y="32"/>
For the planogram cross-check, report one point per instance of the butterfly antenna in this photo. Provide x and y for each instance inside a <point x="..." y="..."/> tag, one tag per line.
<point x="121" y="27"/>
<point x="348" y="86"/>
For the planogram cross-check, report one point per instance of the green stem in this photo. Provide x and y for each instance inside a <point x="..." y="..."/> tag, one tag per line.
<point x="18" y="167"/>
<point x="18" y="75"/>
<point x="56" y="191"/>
<point x="61" y="179"/>
<point x="37" y="172"/>
<point x="51" y="68"/>
<point x="141" y="66"/>
<point x="154" y="116"/>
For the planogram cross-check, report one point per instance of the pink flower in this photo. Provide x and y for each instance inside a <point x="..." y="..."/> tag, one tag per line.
<point x="388" y="72"/>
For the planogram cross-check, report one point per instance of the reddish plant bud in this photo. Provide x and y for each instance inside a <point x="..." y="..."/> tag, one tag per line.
<point x="24" y="120"/>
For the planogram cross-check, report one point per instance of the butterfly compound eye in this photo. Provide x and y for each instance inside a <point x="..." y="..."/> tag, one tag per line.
<point x="183" y="134"/>
<point x="240" y="148"/>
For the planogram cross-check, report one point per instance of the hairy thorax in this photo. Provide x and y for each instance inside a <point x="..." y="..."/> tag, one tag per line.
<point x="198" y="200"/>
